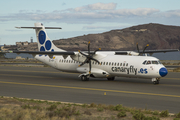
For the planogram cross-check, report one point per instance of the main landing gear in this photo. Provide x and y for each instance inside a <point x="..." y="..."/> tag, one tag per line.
<point x="111" y="78"/>
<point x="155" y="80"/>
<point x="84" y="77"/>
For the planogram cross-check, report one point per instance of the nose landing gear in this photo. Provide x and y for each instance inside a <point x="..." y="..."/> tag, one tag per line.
<point x="155" y="80"/>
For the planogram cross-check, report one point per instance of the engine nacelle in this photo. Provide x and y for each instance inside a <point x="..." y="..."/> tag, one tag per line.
<point x="97" y="73"/>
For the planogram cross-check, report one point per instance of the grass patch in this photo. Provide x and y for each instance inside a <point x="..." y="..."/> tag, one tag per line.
<point x="16" y="108"/>
<point x="121" y="114"/>
<point x="164" y="113"/>
<point x="178" y="115"/>
<point x="100" y="109"/>
<point x="155" y="113"/>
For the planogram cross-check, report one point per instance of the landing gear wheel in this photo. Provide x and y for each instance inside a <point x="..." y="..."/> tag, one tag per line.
<point x="156" y="82"/>
<point x="84" y="78"/>
<point x="111" y="79"/>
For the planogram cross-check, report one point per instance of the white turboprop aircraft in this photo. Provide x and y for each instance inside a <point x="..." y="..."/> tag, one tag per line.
<point x="98" y="64"/>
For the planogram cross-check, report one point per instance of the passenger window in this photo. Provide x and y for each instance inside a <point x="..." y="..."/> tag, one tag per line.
<point x="121" y="64"/>
<point x="59" y="60"/>
<point x="109" y="63"/>
<point x="106" y="63"/>
<point x="144" y="62"/>
<point x="114" y="64"/>
<point x="154" y="62"/>
<point x="101" y="63"/>
<point x="148" y="62"/>
<point x="118" y="64"/>
<point x="126" y="64"/>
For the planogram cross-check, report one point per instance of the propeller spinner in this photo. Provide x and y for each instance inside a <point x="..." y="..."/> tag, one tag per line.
<point x="89" y="57"/>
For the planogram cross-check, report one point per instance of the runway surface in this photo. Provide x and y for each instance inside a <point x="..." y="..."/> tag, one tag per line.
<point x="50" y="84"/>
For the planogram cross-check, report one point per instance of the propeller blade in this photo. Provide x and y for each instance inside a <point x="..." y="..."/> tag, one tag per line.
<point x="145" y="47"/>
<point x="90" y="67"/>
<point x="137" y="47"/>
<point x="82" y="53"/>
<point x="84" y="62"/>
<point x="96" y="60"/>
<point x="96" y="50"/>
<point x="89" y="47"/>
<point x="89" y="57"/>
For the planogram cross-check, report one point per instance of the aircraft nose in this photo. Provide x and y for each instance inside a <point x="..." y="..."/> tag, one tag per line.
<point x="163" y="72"/>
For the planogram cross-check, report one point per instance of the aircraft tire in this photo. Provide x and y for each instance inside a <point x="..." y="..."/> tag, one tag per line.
<point x="111" y="79"/>
<point x="156" y="82"/>
<point x="84" y="78"/>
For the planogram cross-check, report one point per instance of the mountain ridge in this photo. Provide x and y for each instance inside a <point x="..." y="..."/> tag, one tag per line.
<point x="158" y="36"/>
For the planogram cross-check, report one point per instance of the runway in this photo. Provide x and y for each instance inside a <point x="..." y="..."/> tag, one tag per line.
<point x="50" y="84"/>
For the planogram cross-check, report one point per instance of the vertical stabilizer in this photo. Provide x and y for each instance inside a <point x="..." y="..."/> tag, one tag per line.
<point x="44" y="43"/>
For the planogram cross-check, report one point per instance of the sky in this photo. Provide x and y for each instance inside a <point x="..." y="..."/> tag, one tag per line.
<point x="81" y="17"/>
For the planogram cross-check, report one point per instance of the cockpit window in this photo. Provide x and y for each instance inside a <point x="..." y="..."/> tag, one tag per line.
<point x="154" y="62"/>
<point x="144" y="62"/>
<point x="159" y="62"/>
<point x="148" y="62"/>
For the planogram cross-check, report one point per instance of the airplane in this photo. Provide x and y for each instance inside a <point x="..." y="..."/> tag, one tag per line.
<point x="97" y="64"/>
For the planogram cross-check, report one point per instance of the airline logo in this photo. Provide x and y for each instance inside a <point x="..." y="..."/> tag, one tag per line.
<point x="127" y="70"/>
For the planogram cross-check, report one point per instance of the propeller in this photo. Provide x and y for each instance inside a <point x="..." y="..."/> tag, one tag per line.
<point x="89" y="57"/>
<point x="143" y="49"/>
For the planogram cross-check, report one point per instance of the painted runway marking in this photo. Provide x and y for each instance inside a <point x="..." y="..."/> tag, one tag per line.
<point x="94" y="89"/>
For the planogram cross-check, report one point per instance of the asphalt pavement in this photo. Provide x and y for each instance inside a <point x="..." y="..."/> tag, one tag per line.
<point x="50" y="84"/>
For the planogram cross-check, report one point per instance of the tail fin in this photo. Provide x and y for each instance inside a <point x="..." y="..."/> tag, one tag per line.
<point x="44" y="43"/>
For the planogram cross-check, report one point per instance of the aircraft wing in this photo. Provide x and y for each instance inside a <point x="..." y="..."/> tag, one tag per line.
<point x="49" y="53"/>
<point x="157" y="51"/>
<point x="65" y="53"/>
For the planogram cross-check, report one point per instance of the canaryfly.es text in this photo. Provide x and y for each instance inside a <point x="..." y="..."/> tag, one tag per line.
<point x="128" y="70"/>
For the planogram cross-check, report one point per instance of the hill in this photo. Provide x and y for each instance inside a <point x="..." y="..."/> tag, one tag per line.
<point x="158" y="36"/>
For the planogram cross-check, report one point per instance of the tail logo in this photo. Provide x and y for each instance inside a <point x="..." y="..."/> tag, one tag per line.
<point x="42" y="37"/>
<point x="42" y="40"/>
<point x="46" y="45"/>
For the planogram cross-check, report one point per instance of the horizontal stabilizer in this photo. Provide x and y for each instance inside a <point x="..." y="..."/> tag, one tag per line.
<point x="39" y="27"/>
